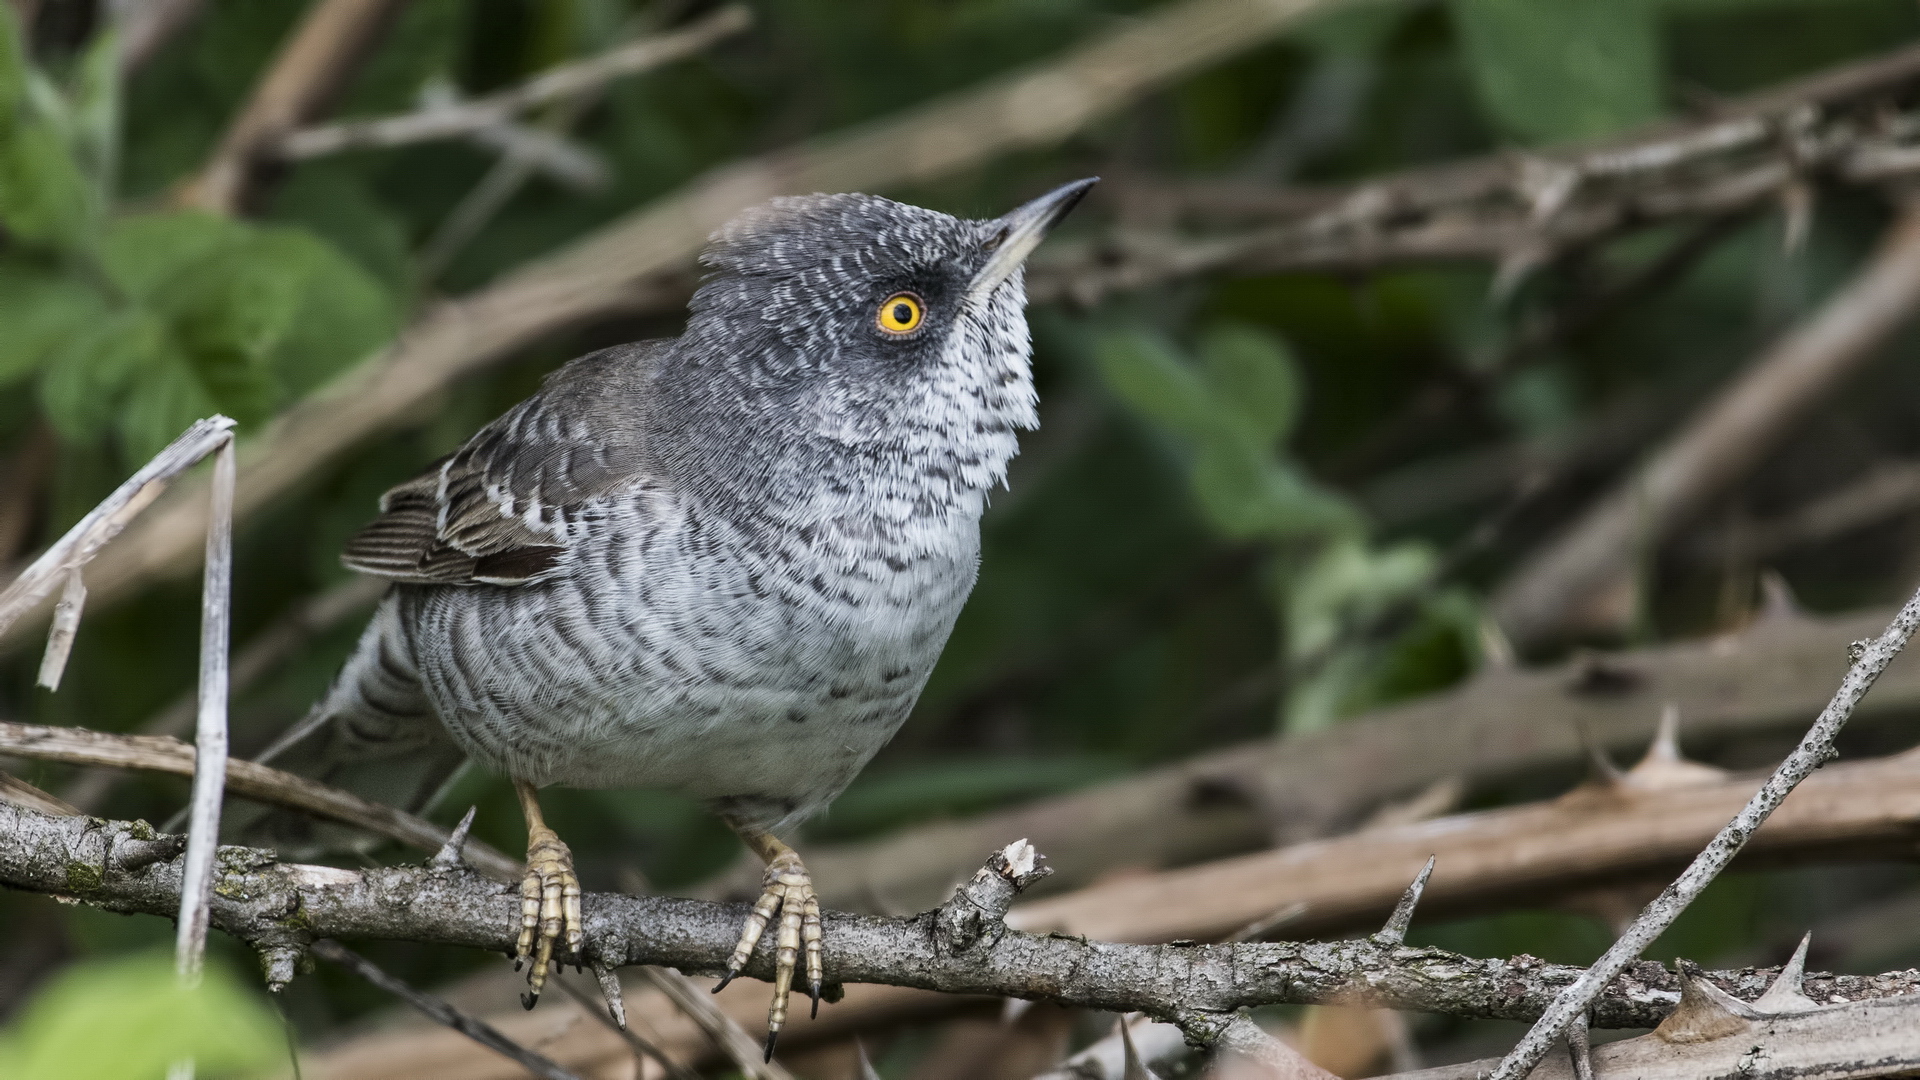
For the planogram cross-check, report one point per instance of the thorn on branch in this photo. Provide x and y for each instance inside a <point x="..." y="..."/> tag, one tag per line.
<point x="1395" y="931"/>
<point x="1785" y="995"/>
<point x="609" y="988"/>
<point x="279" y="964"/>
<point x="1580" y="1048"/>
<point x="978" y="909"/>
<point x="449" y="855"/>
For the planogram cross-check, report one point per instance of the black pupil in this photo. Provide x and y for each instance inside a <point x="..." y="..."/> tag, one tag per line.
<point x="902" y="313"/>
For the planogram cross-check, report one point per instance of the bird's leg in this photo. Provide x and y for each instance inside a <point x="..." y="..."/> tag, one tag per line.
<point x="549" y="896"/>
<point x="786" y="891"/>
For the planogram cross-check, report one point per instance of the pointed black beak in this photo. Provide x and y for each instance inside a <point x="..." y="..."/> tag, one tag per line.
<point x="1021" y="231"/>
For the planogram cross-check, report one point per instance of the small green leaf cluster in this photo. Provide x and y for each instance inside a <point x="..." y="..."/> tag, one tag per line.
<point x="130" y="1018"/>
<point x="1232" y="407"/>
<point x="137" y="324"/>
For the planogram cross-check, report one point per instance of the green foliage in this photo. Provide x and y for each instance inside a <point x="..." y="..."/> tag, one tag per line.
<point x="1555" y="70"/>
<point x="130" y="1019"/>
<point x="1232" y="410"/>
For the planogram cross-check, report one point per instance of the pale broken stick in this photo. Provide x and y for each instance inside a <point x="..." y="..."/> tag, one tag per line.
<point x="210" y="732"/>
<point x="1815" y="750"/>
<point x="558" y="84"/>
<point x="259" y="783"/>
<point x="57" y="565"/>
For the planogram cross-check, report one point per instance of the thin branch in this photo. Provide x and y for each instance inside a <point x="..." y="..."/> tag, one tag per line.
<point x="732" y="1040"/>
<point x="1729" y="437"/>
<point x="478" y="1030"/>
<point x="319" y="56"/>
<point x="644" y="260"/>
<point x="210" y="737"/>
<point x="20" y="793"/>
<point x="1520" y="210"/>
<point x="147" y="25"/>
<point x="247" y="779"/>
<point x="104" y="522"/>
<point x="268" y="649"/>
<point x="641" y="1047"/>
<point x="1154" y="1043"/>
<point x="560" y="83"/>
<point x="1815" y="749"/>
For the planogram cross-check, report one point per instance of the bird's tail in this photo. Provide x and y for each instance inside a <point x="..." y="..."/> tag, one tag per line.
<point x="373" y="733"/>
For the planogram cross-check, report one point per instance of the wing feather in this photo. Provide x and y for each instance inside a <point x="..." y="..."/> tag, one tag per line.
<point x="504" y="508"/>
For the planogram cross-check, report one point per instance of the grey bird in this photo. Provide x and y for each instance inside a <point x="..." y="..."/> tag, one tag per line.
<point x="723" y="563"/>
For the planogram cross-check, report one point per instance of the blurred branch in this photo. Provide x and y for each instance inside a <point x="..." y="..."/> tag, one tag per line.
<point x="310" y="69"/>
<point x="643" y="261"/>
<point x="147" y="25"/>
<point x="78" y="857"/>
<point x="442" y="1013"/>
<point x="561" y="83"/>
<point x="1574" y="581"/>
<point x="1501" y="724"/>
<point x="268" y="649"/>
<point x="1886" y="491"/>
<point x="1520" y="210"/>
<point x="164" y="754"/>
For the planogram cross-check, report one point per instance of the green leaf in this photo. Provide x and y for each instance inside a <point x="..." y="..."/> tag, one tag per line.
<point x="44" y="198"/>
<point x="39" y="312"/>
<point x="130" y="1019"/>
<point x="1254" y="380"/>
<point x="1247" y="495"/>
<point x="167" y="394"/>
<point x="1555" y="70"/>
<point x="96" y="112"/>
<point x="1144" y="369"/>
<point x="341" y="315"/>
<point x="143" y="252"/>
<point x="86" y="377"/>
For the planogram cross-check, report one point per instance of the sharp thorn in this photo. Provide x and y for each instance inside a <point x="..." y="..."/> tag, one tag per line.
<point x="865" y="1071"/>
<point x="1666" y="739"/>
<point x="610" y="991"/>
<point x="449" y="855"/>
<point x="725" y="979"/>
<point x="772" y="1037"/>
<point x="1786" y="995"/>
<point x="1395" y="931"/>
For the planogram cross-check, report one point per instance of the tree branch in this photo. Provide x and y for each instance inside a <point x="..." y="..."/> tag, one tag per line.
<point x="560" y="83"/>
<point x="1815" y="750"/>
<point x="313" y="65"/>
<point x="270" y="904"/>
<point x="1729" y="437"/>
<point x="247" y="779"/>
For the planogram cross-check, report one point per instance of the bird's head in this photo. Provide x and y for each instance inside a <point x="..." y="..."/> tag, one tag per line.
<point x="863" y="321"/>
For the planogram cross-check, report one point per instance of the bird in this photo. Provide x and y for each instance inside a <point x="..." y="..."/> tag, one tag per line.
<point x="723" y="563"/>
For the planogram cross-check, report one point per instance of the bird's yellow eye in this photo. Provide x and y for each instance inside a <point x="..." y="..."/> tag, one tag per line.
<point x="900" y="313"/>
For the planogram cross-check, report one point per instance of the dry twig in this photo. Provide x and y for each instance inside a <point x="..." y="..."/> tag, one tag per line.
<point x="1815" y="749"/>
<point x="558" y="84"/>
<point x="249" y="780"/>
<point x="310" y="69"/>
<point x="478" y="1030"/>
<point x="1730" y="436"/>
<point x="210" y="735"/>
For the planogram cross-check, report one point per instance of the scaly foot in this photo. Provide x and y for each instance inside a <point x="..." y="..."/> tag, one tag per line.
<point x="549" y="907"/>
<point x="786" y="891"/>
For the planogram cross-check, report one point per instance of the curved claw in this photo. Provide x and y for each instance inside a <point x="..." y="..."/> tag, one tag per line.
<point x="725" y="979"/>
<point x="549" y="909"/>
<point x="788" y="897"/>
<point x="813" y="991"/>
<point x="772" y="1037"/>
